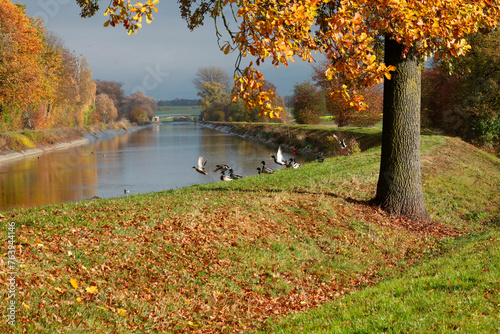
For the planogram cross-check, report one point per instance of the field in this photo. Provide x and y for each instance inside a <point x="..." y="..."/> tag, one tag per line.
<point x="299" y="251"/>
<point x="179" y="110"/>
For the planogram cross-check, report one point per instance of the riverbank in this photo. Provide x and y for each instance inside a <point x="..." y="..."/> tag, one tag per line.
<point x="305" y="139"/>
<point x="27" y="143"/>
<point x="232" y="256"/>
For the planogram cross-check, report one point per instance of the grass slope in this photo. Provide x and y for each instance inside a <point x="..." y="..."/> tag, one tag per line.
<point x="228" y="257"/>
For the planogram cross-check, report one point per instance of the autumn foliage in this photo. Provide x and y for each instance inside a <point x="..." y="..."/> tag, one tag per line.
<point x="21" y="71"/>
<point x="345" y="114"/>
<point x="43" y="84"/>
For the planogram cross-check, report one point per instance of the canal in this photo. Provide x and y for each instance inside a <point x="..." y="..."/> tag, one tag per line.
<point x="152" y="159"/>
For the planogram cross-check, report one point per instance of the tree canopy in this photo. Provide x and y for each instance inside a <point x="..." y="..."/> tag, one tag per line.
<point x="349" y="32"/>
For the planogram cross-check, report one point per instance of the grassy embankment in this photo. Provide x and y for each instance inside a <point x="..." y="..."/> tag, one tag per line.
<point x="246" y="255"/>
<point x="26" y="139"/>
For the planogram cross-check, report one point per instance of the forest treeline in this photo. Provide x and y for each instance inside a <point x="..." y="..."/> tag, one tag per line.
<point x="178" y="102"/>
<point x="45" y="85"/>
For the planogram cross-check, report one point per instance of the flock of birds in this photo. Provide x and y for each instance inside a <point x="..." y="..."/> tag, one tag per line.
<point x="278" y="159"/>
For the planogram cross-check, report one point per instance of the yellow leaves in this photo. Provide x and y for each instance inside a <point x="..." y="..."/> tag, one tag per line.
<point x="92" y="289"/>
<point x="130" y="16"/>
<point x="250" y="87"/>
<point x="26" y="306"/>
<point x="121" y="311"/>
<point x="226" y="48"/>
<point x="60" y="290"/>
<point x="74" y="284"/>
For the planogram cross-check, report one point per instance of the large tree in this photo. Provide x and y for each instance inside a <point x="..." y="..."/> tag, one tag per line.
<point x="212" y="74"/>
<point x="356" y="35"/>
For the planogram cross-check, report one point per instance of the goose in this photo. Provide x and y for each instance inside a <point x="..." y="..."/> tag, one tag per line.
<point x="201" y="166"/>
<point x="233" y="175"/>
<point x="225" y="177"/>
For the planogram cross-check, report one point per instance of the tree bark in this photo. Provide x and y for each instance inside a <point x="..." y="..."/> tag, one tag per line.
<point x="399" y="188"/>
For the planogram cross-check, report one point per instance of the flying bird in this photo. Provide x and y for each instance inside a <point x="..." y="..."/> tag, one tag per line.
<point x="278" y="158"/>
<point x="224" y="168"/>
<point x="341" y="141"/>
<point x="201" y="166"/>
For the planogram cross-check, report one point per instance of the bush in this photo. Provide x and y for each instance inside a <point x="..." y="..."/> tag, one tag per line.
<point x="217" y="116"/>
<point x="307" y="103"/>
<point x="138" y="115"/>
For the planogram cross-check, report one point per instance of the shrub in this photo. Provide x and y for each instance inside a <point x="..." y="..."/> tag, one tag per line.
<point x="138" y="115"/>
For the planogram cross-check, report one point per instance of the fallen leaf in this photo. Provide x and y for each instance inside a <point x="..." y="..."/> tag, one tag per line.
<point x="92" y="289"/>
<point x="74" y="284"/>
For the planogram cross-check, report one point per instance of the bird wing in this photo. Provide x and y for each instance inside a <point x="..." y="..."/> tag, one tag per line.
<point x="279" y="155"/>
<point x="200" y="162"/>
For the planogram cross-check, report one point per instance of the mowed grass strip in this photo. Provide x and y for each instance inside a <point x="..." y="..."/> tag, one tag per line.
<point x="458" y="292"/>
<point x="225" y="257"/>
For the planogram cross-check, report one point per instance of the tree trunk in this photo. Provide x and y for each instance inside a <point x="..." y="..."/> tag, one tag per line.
<point x="399" y="188"/>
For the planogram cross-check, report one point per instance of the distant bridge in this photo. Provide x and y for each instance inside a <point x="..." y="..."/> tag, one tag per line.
<point x="166" y="117"/>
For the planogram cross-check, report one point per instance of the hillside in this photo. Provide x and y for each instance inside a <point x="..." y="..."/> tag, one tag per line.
<point x="227" y="257"/>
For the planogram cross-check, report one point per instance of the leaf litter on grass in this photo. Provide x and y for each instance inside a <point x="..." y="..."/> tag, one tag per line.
<point x="206" y="260"/>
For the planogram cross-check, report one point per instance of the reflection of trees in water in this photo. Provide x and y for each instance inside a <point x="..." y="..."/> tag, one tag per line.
<point x="51" y="178"/>
<point x="143" y="161"/>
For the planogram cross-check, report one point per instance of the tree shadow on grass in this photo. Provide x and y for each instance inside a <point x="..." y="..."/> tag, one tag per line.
<point x="370" y="203"/>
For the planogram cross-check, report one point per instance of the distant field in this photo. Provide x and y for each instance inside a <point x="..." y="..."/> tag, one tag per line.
<point x="176" y="110"/>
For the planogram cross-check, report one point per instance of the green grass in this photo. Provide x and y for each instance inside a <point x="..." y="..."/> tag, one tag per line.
<point x="457" y="292"/>
<point x="297" y="251"/>
<point x="182" y="110"/>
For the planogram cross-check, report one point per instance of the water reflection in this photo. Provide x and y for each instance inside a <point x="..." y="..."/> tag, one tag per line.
<point x="149" y="160"/>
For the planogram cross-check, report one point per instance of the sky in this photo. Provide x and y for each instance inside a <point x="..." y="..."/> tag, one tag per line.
<point x="161" y="60"/>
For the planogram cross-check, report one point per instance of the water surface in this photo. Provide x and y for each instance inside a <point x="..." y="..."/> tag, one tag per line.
<point x="152" y="159"/>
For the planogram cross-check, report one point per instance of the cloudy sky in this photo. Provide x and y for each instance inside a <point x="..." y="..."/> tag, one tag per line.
<point x="160" y="60"/>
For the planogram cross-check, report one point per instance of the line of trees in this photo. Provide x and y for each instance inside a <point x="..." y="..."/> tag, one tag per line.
<point x="45" y="85"/>
<point x="178" y="102"/>
<point x="42" y="83"/>
<point x="137" y="107"/>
